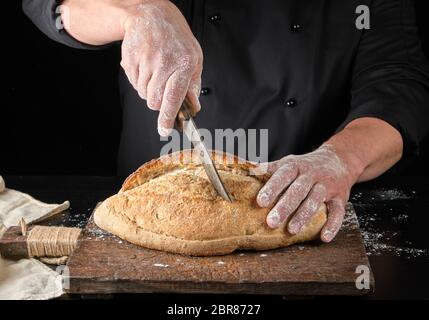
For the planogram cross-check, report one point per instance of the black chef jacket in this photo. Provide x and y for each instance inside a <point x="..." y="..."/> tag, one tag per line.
<point x="301" y="69"/>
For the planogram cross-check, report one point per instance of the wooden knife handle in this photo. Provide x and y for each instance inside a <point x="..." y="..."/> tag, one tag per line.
<point x="39" y="241"/>
<point x="185" y="113"/>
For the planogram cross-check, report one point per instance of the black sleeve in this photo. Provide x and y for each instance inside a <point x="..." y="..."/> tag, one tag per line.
<point x="391" y="75"/>
<point x="44" y="16"/>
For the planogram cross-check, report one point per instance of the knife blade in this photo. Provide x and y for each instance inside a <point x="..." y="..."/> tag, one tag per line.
<point x="186" y="123"/>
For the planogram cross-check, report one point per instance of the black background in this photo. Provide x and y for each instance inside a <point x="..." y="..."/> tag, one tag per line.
<point x="60" y="109"/>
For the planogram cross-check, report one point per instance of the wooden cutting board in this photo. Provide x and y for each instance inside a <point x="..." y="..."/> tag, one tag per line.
<point x="103" y="263"/>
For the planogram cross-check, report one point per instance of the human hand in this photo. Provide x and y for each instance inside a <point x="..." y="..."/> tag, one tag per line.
<point x="162" y="59"/>
<point x="300" y="184"/>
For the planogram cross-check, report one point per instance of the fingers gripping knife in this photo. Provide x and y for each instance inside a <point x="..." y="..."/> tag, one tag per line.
<point x="186" y="123"/>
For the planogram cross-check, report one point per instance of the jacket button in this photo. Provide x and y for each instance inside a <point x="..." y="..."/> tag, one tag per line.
<point x="205" y="91"/>
<point x="295" y="27"/>
<point x="214" y="18"/>
<point x="291" y="103"/>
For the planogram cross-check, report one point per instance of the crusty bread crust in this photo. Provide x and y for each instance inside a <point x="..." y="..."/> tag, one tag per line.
<point x="182" y="159"/>
<point x="169" y="204"/>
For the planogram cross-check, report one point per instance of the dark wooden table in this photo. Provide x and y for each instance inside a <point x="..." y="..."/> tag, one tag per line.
<point x="393" y="214"/>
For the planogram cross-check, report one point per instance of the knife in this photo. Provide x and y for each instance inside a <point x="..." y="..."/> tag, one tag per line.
<point x="186" y="123"/>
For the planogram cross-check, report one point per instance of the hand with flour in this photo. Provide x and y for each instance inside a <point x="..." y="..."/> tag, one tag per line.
<point x="160" y="55"/>
<point x="364" y="149"/>
<point x="300" y="184"/>
<point x="162" y="59"/>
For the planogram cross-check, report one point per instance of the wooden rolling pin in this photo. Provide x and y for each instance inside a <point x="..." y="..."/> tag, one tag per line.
<point x="38" y="241"/>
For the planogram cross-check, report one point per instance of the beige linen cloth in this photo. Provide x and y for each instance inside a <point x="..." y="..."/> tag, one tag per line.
<point x="27" y="278"/>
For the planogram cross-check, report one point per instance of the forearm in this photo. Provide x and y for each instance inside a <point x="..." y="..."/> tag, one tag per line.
<point x="98" y="22"/>
<point x="368" y="146"/>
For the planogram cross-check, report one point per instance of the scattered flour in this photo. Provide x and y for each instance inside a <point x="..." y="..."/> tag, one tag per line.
<point x="400" y="218"/>
<point x="382" y="195"/>
<point x="96" y="232"/>
<point x="382" y="229"/>
<point x="390" y="194"/>
<point x="160" y="265"/>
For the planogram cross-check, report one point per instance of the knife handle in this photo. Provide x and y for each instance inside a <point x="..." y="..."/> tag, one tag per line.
<point x="40" y="241"/>
<point x="185" y="113"/>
